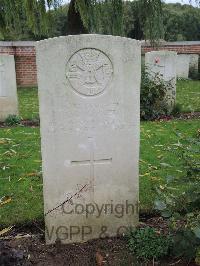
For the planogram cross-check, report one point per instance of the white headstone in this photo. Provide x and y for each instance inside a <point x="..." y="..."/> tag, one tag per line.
<point x="2" y="80"/>
<point x="89" y="88"/>
<point x="8" y="87"/>
<point x="182" y="65"/>
<point x="163" y="64"/>
<point x="194" y="62"/>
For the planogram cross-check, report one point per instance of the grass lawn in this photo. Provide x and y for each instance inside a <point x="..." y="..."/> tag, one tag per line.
<point x="28" y="103"/>
<point x="157" y="159"/>
<point x="188" y="95"/>
<point x="20" y="160"/>
<point x="20" y="178"/>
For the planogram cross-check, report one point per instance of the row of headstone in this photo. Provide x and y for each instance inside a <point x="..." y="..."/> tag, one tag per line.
<point x="185" y="64"/>
<point x="8" y="87"/>
<point x="191" y="62"/>
<point x="169" y="66"/>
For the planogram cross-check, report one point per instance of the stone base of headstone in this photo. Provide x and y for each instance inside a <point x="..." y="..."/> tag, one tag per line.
<point x="8" y="87"/>
<point x="8" y="106"/>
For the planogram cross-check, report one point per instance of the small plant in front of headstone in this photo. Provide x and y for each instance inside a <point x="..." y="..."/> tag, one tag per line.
<point x="152" y="96"/>
<point x="148" y="244"/>
<point x="178" y="199"/>
<point x="12" y="120"/>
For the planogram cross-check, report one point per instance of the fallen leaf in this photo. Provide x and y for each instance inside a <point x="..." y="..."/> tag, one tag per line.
<point x="158" y="145"/>
<point x="155" y="178"/>
<point x="142" y="161"/>
<point x="32" y="174"/>
<point x="165" y="165"/>
<point x="37" y="161"/>
<point x="4" y="200"/>
<point x="99" y="259"/>
<point x="5" y="230"/>
<point x="145" y="174"/>
<point x="19" y="236"/>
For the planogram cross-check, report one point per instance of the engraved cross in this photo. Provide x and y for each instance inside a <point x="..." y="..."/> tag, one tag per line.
<point x="92" y="162"/>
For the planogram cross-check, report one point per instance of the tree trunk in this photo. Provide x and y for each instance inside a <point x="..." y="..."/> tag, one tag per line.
<point x="75" y="24"/>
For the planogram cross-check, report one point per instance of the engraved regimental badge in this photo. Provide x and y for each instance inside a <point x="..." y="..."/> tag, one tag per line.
<point x="89" y="71"/>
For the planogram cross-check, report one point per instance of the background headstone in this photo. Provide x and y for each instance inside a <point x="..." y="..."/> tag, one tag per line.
<point x="194" y="63"/>
<point x="89" y="87"/>
<point x="8" y="87"/>
<point x="163" y="64"/>
<point x="143" y="60"/>
<point x="182" y="66"/>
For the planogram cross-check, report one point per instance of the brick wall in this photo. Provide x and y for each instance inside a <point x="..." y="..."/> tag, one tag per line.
<point x="25" y="61"/>
<point x="25" y="58"/>
<point x="189" y="47"/>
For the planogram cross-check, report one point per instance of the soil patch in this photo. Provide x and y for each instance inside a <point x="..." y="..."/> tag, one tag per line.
<point x="25" y="246"/>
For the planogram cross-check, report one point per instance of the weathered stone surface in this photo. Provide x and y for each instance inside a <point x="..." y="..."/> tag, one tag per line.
<point x="89" y="110"/>
<point x="8" y="87"/>
<point x="194" y="62"/>
<point x="163" y="64"/>
<point x="182" y="65"/>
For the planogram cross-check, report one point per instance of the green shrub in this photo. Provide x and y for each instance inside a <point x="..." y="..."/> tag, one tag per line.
<point x="12" y="120"/>
<point x="182" y="206"/>
<point x="152" y="96"/>
<point x="147" y="244"/>
<point x="176" y="200"/>
<point x="185" y="244"/>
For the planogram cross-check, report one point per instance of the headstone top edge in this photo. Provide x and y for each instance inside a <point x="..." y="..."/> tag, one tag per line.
<point x="96" y="36"/>
<point x="162" y="52"/>
<point x="6" y="55"/>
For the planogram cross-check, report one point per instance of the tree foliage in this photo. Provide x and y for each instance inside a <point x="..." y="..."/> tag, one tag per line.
<point x="84" y="16"/>
<point x="139" y="19"/>
<point x="16" y="14"/>
<point x="182" y="22"/>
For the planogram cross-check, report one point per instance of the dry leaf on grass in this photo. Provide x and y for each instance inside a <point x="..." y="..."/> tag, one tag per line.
<point x="4" y="200"/>
<point x="5" y="230"/>
<point x="99" y="258"/>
